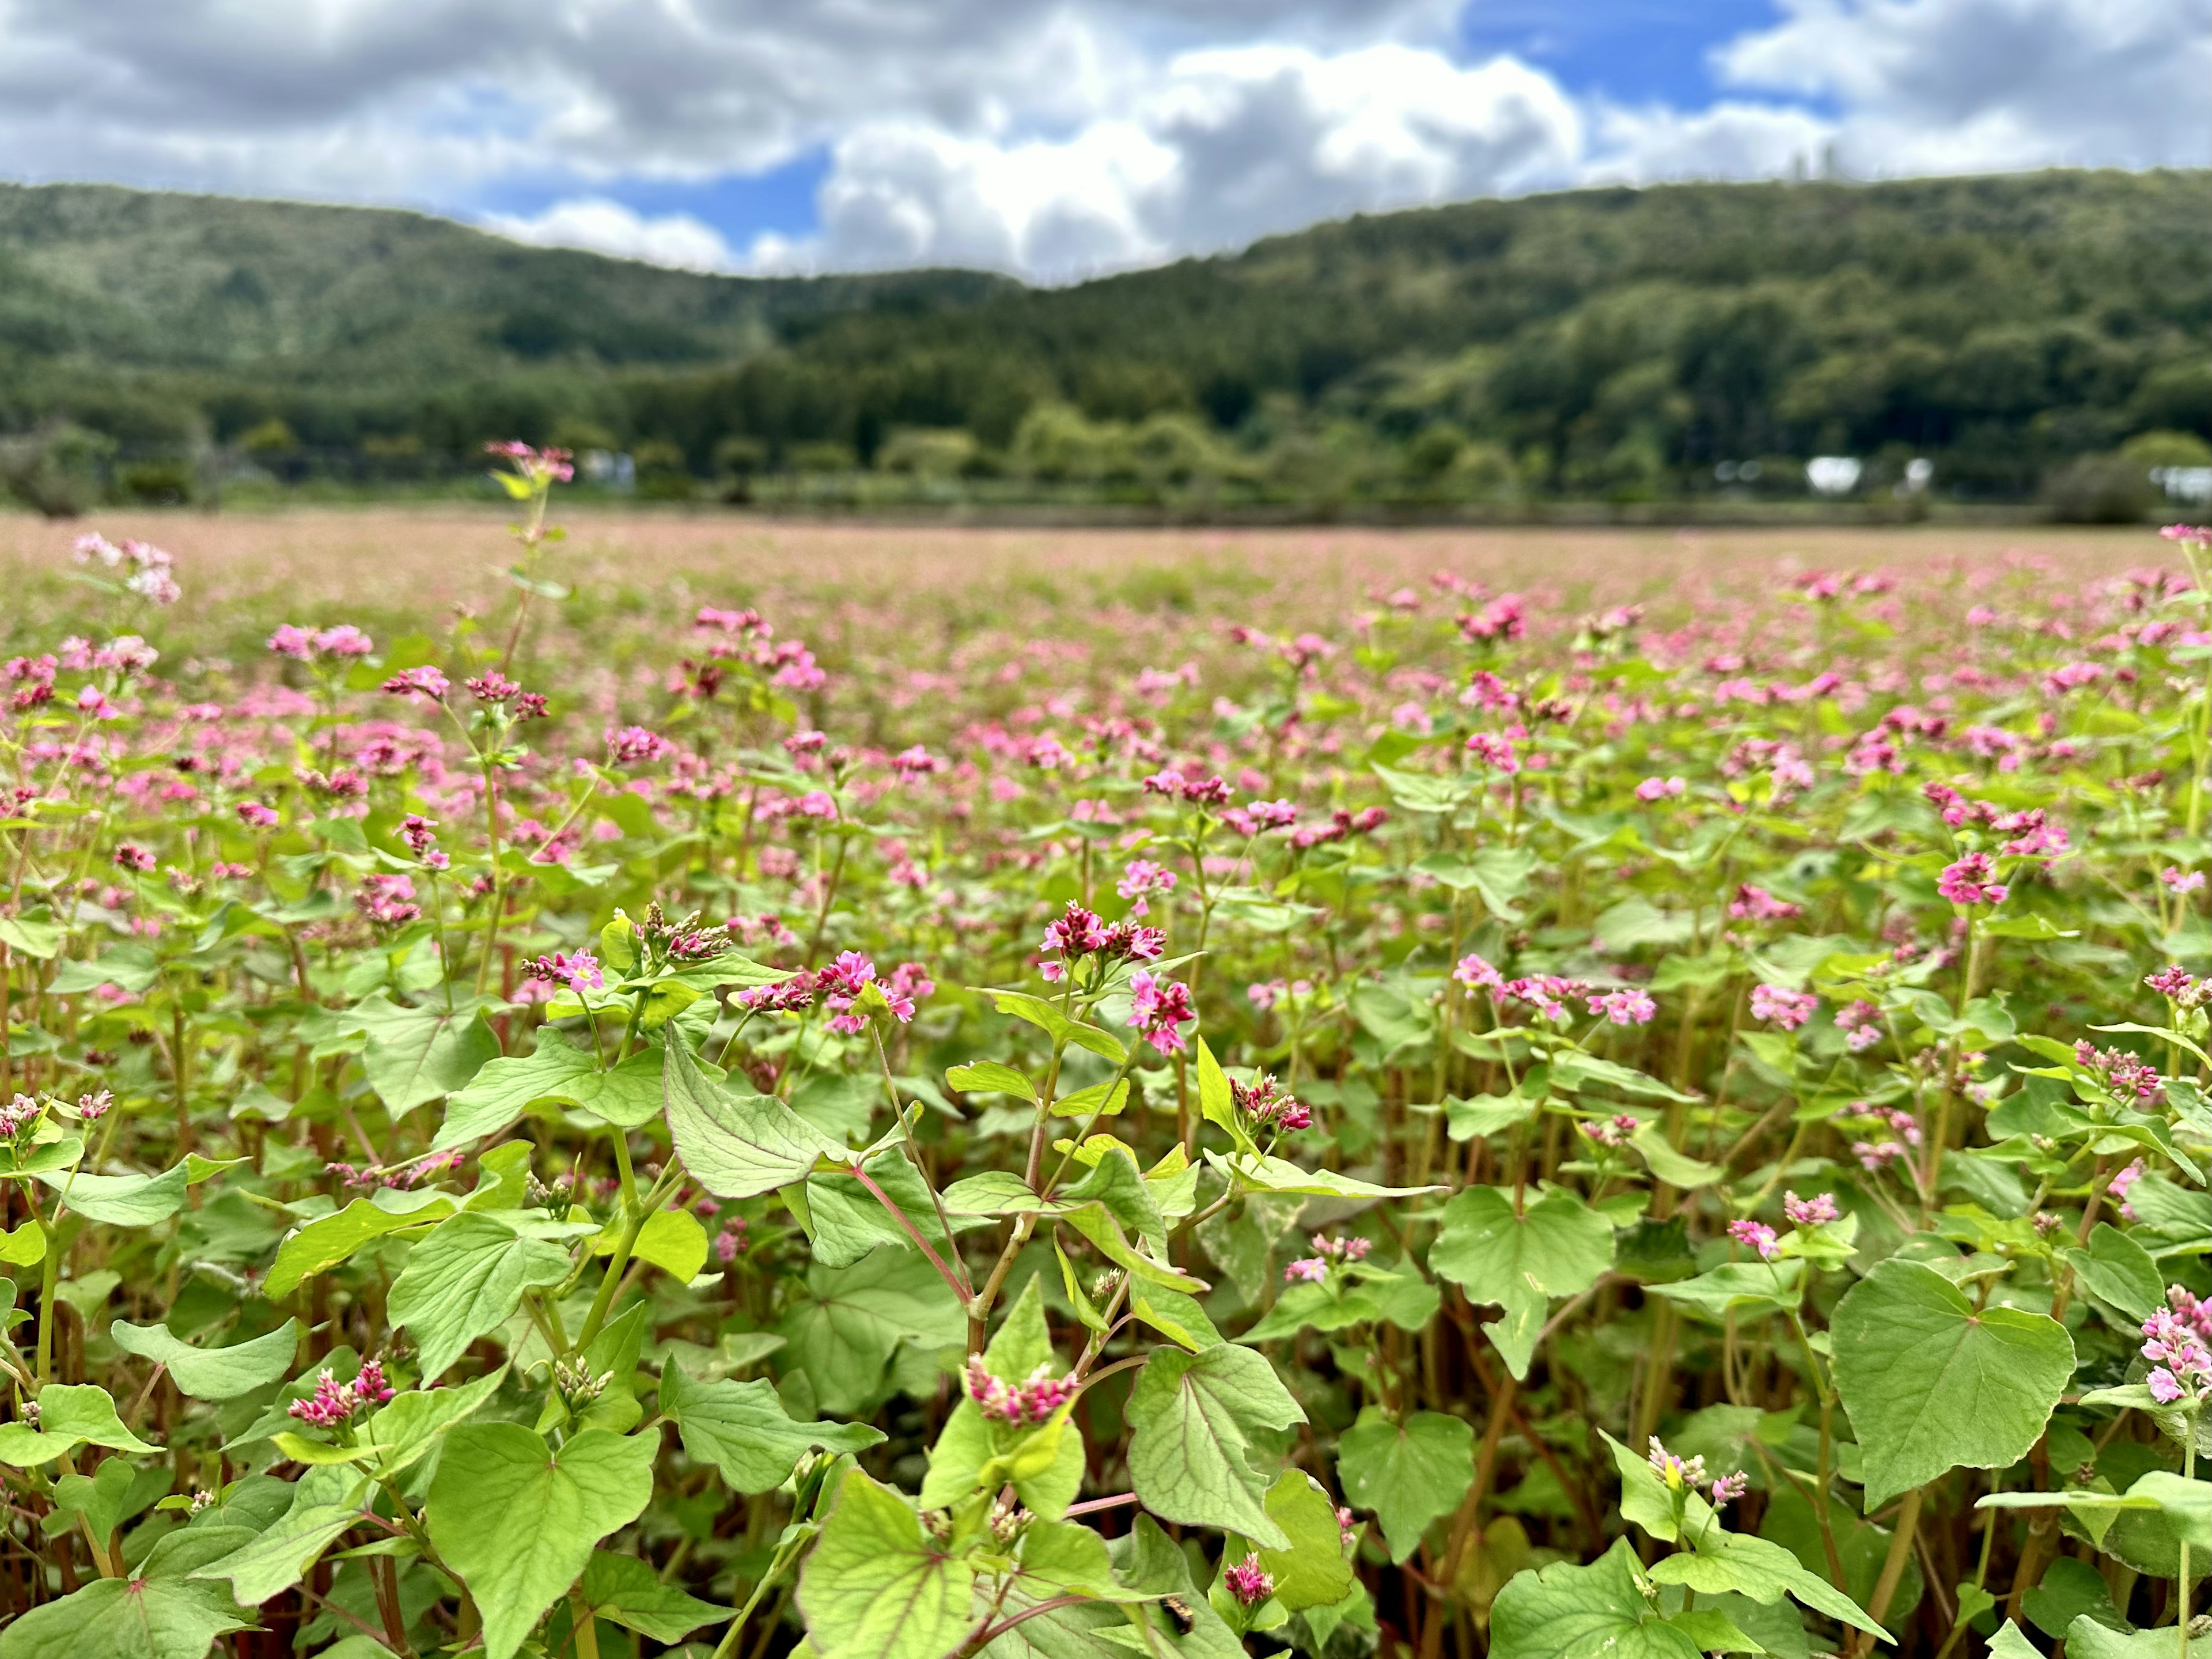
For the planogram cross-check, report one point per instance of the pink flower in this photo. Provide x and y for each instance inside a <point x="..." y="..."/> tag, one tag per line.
<point x="1625" y="1007"/>
<point x="1730" y="1487"/>
<point x="1307" y="1269"/>
<point x="1757" y="1235"/>
<point x="1656" y="789"/>
<point x="1780" y="1006"/>
<point x="254" y="815"/>
<point x="1248" y="1582"/>
<point x="1494" y="752"/>
<point x="540" y="466"/>
<point x="1970" y="881"/>
<point x="343" y="641"/>
<point x="1140" y="878"/>
<point x="423" y="682"/>
<point x="1757" y="904"/>
<point x="387" y="900"/>
<point x="1022" y="1404"/>
<point x="579" y="972"/>
<point x="2182" y="881"/>
<point x="1158" y="1008"/>
<point x="1266" y="1102"/>
<point x="295" y="642"/>
<point x="132" y="856"/>
<point x="1810" y="1211"/>
<point x="635" y="746"/>
<point x="1476" y="975"/>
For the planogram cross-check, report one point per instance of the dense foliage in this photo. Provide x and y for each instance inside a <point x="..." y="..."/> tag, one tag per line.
<point x="1483" y="1128"/>
<point x="1634" y="344"/>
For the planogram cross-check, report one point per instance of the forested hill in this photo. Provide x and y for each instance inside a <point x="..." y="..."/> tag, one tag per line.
<point x="1616" y="342"/>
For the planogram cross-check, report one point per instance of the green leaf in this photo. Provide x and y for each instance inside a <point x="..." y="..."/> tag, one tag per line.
<point x="506" y="1088"/>
<point x="212" y="1373"/>
<point x="1280" y="1175"/>
<point x="71" y="1414"/>
<point x="845" y="1324"/>
<point x="328" y="1240"/>
<point x="1734" y="1561"/>
<point x="742" y="1428"/>
<point x="672" y="1239"/>
<point x="1216" y="1103"/>
<point x="2116" y="1270"/>
<point x="1313" y="1572"/>
<point x="1193" y="1418"/>
<point x="492" y="1476"/>
<point x="1931" y="1384"/>
<point x="2085" y="1638"/>
<point x="1556" y="1246"/>
<point x="875" y="1587"/>
<point x="626" y="1591"/>
<point x="280" y="1558"/>
<point x="159" y="1613"/>
<point x="1675" y="1169"/>
<point x="1057" y="1025"/>
<point x="990" y="1077"/>
<point x="416" y="1054"/>
<point x="1596" y="1612"/>
<point x="410" y="1426"/>
<point x="465" y="1280"/>
<point x="1408" y="1474"/>
<point x="124" y="1201"/>
<point x="737" y="1145"/>
<point x="1766" y="1286"/>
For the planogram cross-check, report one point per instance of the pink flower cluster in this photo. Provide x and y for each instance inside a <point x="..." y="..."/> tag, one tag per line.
<point x="1971" y="880"/>
<point x="1140" y="878"/>
<point x="307" y="644"/>
<point x="573" y="970"/>
<point x="2180" y="1348"/>
<point x="1756" y="904"/>
<point x="1196" y="791"/>
<point x="1868" y="1121"/>
<point x="19" y="1116"/>
<point x="334" y="1402"/>
<point x="2124" y="1072"/>
<point x="1495" y="752"/>
<point x="387" y="900"/>
<point x="152" y="571"/>
<point x="1077" y="933"/>
<point x="539" y="466"/>
<point x="2179" y="987"/>
<point x="1610" y="1132"/>
<point x="1248" y="1582"/>
<point x="1269" y="1104"/>
<point x="1813" y="1211"/>
<point x="1158" y="1009"/>
<point x="1780" y="1006"/>
<point x="1757" y="1236"/>
<point x="1328" y="1253"/>
<point x="1022" y="1404"/>
<point x="1627" y="1006"/>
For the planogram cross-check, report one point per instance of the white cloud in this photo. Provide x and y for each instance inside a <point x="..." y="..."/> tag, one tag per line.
<point x="1048" y="136"/>
<point x="1229" y="145"/>
<point x="1948" y="86"/>
<point x="604" y="226"/>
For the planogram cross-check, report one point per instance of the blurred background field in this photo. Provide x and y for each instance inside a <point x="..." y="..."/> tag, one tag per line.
<point x="401" y="569"/>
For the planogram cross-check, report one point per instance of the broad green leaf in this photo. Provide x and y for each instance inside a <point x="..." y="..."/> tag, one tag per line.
<point x="411" y="1425"/>
<point x="124" y="1201"/>
<point x="464" y="1281"/>
<point x="1280" y="1175"/>
<point x="1407" y="1475"/>
<point x="71" y="1414"/>
<point x="1733" y="1561"/>
<point x="491" y="1476"/>
<point x="280" y="1558"/>
<point x="1057" y="1025"/>
<point x="1675" y="1169"/>
<point x="1193" y="1419"/>
<point x="742" y="1428"/>
<point x="737" y="1145"/>
<point x="626" y="1591"/>
<point x="506" y="1088"/>
<point x="844" y="1324"/>
<point x="1596" y="1612"/>
<point x="1216" y="1103"/>
<point x="416" y="1054"/>
<point x="876" y="1586"/>
<point x="1931" y="1384"/>
<point x="1314" y="1572"/>
<point x="1765" y="1286"/>
<point x="328" y="1240"/>
<point x="1556" y="1246"/>
<point x="212" y="1373"/>
<point x="672" y="1239"/>
<point x="2087" y="1638"/>
<point x="990" y="1077"/>
<point x="158" y="1613"/>
<point x="2116" y="1270"/>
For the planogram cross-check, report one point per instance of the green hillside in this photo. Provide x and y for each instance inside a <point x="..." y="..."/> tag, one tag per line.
<point x="1610" y="343"/>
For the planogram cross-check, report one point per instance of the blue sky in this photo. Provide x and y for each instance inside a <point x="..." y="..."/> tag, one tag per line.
<point x="1058" y="138"/>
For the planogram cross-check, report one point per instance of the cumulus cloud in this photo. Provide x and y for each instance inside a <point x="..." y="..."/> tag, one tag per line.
<point x="604" y="227"/>
<point x="1051" y="137"/>
<point x="1229" y="145"/>
<point x="1950" y="86"/>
